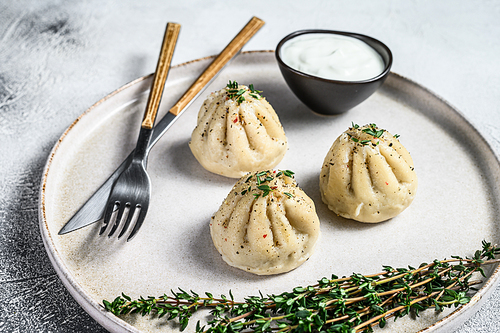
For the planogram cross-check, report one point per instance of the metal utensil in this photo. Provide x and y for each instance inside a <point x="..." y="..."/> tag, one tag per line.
<point x="93" y="210"/>
<point x="131" y="191"/>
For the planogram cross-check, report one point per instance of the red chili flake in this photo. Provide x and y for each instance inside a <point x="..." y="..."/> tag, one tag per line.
<point x="274" y="171"/>
<point x="235" y="120"/>
<point x="225" y="239"/>
<point x="274" y="187"/>
<point x="264" y="236"/>
<point x="386" y="183"/>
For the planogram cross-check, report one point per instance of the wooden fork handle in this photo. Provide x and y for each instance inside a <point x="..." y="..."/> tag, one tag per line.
<point x="227" y="54"/>
<point x="162" y="67"/>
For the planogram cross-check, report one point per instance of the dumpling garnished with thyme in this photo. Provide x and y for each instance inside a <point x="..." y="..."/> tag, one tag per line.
<point x="266" y="225"/>
<point x="368" y="175"/>
<point x="238" y="132"/>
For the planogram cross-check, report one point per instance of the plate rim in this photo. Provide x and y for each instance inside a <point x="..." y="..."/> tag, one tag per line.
<point x="112" y="322"/>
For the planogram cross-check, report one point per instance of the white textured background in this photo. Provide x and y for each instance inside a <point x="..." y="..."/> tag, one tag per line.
<point x="57" y="58"/>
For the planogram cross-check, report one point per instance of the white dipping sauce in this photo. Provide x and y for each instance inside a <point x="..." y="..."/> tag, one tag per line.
<point x="334" y="57"/>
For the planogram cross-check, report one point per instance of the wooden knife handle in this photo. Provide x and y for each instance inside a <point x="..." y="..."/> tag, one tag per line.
<point x="162" y="67"/>
<point x="227" y="54"/>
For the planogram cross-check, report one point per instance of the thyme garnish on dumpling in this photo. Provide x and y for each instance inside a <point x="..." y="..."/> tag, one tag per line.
<point x="269" y="176"/>
<point x="348" y="304"/>
<point x="266" y="189"/>
<point x="371" y="129"/>
<point x="235" y="93"/>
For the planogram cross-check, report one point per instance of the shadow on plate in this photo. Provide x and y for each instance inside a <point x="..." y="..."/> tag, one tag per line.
<point x="186" y="164"/>
<point x="289" y="108"/>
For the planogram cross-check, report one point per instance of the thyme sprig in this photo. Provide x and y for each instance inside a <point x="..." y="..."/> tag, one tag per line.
<point x="347" y="305"/>
<point x="236" y="93"/>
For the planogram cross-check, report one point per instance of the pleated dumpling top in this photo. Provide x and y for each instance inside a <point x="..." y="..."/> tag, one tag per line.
<point x="238" y="132"/>
<point x="266" y="225"/>
<point x="368" y="175"/>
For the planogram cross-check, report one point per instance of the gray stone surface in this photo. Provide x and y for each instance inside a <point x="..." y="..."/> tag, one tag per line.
<point x="59" y="57"/>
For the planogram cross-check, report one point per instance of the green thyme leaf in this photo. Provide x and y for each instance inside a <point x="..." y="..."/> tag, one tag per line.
<point x="373" y="132"/>
<point x="264" y="188"/>
<point x="232" y="85"/>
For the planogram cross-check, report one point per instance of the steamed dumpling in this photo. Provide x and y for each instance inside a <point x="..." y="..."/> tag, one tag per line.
<point x="266" y="225"/>
<point x="367" y="175"/>
<point x="238" y="132"/>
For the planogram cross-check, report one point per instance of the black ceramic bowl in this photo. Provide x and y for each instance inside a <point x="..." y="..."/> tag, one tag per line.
<point x="331" y="97"/>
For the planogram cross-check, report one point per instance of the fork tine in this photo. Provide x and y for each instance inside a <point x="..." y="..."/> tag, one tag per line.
<point x="110" y="208"/>
<point x="140" y="220"/>
<point x="122" y="209"/>
<point x="132" y="215"/>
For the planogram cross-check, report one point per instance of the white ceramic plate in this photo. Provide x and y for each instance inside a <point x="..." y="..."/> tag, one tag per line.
<point x="456" y="205"/>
